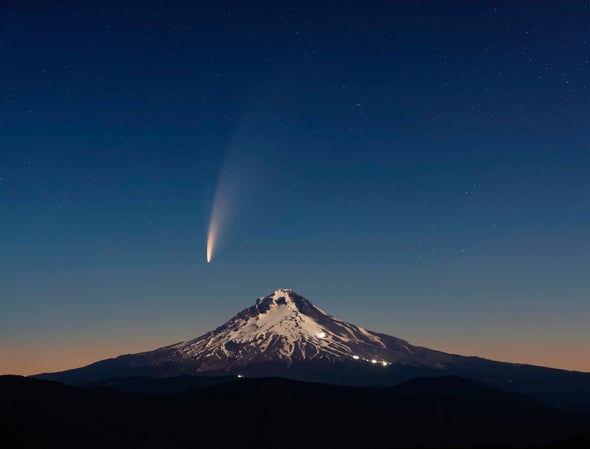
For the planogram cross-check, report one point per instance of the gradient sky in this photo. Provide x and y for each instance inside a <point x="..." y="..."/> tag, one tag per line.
<point x="421" y="169"/>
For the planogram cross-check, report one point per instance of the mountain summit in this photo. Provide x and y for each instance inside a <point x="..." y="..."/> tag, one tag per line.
<point x="284" y="335"/>
<point x="279" y="331"/>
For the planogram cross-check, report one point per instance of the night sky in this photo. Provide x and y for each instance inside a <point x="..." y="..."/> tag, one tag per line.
<point x="418" y="168"/>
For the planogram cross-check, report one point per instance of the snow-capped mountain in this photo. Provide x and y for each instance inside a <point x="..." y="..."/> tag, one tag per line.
<point x="280" y="330"/>
<point x="283" y="334"/>
<point x="285" y="327"/>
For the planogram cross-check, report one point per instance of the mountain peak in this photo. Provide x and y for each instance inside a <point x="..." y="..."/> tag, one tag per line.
<point x="279" y="295"/>
<point x="283" y="328"/>
<point x="285" y="297"/>
<point x="283" y="291"/>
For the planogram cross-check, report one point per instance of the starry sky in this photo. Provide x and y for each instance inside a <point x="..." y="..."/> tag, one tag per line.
<point x="418" y="168"/>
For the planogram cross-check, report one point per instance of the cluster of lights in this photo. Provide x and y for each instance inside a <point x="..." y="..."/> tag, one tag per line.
<point x="322" y="335"/>
<point x="373" y="361"/>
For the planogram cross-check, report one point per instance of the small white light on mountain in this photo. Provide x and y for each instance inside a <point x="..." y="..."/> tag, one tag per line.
<point x="321" y="335"/>
<point x="373" y="361"/>
<point x="240" y="376"/>
<point x="384" y="363"/>
<point x="356" y="357"/>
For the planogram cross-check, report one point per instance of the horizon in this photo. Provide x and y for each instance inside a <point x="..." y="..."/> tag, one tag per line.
<point x="143" y="348"/>
<point x="418" y="169"/>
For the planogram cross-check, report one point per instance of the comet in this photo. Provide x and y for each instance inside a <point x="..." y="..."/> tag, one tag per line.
<point x="215" y="223"/>
<point x="234" y="187"/>
<point x="213" y="232"/>
<point x="210" y="243"/>
<point x="224" y="205"/>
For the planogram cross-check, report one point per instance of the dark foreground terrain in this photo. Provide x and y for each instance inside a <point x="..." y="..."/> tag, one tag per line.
<point x="277" y="413"/>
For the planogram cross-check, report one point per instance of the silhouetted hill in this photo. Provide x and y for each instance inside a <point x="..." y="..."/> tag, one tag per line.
<point x="160" y="386"/>
<point x="275" y="412"/>
<point x="583" y="406"/>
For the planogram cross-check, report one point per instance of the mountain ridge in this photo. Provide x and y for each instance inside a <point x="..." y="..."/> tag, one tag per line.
<point x="284" y="334"/>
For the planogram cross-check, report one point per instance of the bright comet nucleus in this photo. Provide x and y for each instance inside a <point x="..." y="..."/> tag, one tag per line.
<point x="209" y="247"/>
<point x="211" y="237"/>
<point x="219" y="216"/>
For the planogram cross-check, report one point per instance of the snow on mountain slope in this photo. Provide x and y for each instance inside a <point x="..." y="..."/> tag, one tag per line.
<point x="285" y="327"/>
<point x="280" y="330"/>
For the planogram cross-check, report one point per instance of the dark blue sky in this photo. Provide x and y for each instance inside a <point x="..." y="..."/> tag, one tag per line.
<point x="419" y="168"/>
